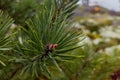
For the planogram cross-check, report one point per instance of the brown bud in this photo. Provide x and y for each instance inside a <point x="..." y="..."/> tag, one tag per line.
<point x="55" y="46"/>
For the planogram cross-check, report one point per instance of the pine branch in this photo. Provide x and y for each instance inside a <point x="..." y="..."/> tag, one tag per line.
<point x="56" y="13"/>
<point x="37" y="46"/>
<point x="13" y="73"/>
<point x="77" y="76"/>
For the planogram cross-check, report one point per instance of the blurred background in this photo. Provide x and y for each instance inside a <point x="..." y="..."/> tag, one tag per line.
<point x="100" y="20"/>
<point x="111" y="4"/>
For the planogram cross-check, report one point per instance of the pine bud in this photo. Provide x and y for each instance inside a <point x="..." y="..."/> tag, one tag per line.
<point x="55" y="46"/>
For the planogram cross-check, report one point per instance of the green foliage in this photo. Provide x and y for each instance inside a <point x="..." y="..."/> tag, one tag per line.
<point x="20" y="10"/>
<point x="93" y="66"/>
<point x="5" y="41"/>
